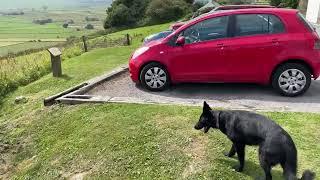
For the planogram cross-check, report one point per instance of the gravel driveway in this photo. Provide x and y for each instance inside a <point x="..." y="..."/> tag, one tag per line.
<point x="229" y="96"/>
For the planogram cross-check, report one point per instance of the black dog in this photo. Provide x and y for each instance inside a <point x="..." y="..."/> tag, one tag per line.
<point x="246" y="128"/>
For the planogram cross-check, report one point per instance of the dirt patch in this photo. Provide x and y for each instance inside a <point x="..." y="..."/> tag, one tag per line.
<point x="79" y="176"/>
<point x="197" y="151"/>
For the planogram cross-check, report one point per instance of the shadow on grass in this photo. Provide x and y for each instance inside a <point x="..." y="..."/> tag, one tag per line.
<point x="65" y="77"/>
<point x="251" y="169"/>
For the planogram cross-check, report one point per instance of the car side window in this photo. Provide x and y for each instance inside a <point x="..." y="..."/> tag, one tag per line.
<point x="206" y="30"/>
<point x="253" y="24"/>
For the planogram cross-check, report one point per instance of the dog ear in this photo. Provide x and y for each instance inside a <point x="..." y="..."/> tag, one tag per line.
<point x="206" y="107"/>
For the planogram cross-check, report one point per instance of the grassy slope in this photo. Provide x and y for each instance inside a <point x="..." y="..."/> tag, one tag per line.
<point x="125" y="141"/>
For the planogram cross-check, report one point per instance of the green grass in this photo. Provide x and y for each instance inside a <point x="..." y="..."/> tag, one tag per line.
<point x="141" y="141"/>
<point x="125" y="141"/>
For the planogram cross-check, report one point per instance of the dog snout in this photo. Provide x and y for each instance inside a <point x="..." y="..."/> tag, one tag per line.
<point x="197" y="127"/>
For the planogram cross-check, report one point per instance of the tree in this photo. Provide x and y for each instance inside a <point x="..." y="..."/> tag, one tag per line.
<point x="125" y="12"/>
<point x="166" y="10"/>
<point x="119" y="16"/>
<point x="189" y="1"/>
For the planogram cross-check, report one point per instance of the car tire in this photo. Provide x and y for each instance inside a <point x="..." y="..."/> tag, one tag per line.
<point x="291" y="79"/>
<point x="155" y="77"/>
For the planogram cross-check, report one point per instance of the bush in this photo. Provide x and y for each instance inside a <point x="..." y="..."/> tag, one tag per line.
<point x="234" y="2"/>
<point x="70" y="21"/>
<point x="65" y="25"/>
<point x="275" y="2"/>
<point x="91" y="18"/>
<point x="89" y="26"/>
<point x="160" y="11"/>
<point x="42" y="21"/>
<point x="285" y="3"/>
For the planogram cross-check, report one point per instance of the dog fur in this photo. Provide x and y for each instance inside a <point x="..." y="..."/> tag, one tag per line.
<point x="247" y="128"/>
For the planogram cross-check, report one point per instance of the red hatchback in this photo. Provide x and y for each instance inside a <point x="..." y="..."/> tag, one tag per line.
<point x="265" y="46"/>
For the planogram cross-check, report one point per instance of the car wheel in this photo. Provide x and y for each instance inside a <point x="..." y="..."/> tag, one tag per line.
<point x="291" y="79"/>
<point x="154" y="77"/>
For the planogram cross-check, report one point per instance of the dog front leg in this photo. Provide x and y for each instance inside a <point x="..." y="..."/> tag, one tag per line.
<point x="240" y="148"/>
<point x="232" y="151"/>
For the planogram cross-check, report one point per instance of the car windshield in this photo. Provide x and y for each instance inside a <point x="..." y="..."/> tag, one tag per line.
<point x="157" y="36"/>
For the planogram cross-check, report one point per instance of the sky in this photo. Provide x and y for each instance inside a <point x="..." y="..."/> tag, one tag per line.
<point x="19" y="4"/>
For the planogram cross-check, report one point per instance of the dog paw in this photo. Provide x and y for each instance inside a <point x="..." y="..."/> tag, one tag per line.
<point x="228" y="155"/>
<point x="238" y="168"/>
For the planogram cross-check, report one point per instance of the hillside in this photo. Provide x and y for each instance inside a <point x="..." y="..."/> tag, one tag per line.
<point x="23" y="4"/>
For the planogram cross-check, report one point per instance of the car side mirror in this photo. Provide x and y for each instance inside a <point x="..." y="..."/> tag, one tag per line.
<point x="180" y="41"/>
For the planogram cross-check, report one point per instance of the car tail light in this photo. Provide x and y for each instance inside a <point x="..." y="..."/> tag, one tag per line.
<point x="317" y="40"/>
<point x="317" y="45"/>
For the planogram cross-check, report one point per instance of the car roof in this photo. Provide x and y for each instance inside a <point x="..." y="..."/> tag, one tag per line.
<point x="276" y="11"/>
<point x="252" y="10"/>
<point x="227" y="7"/>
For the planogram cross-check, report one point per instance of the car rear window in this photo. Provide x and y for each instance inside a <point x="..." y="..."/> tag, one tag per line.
<point x="305" y="22"/>
<point x="253" y="24"/>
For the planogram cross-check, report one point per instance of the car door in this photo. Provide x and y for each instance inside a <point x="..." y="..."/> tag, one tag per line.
<point x="201" y="58"/>
<point x="256" y="43"/>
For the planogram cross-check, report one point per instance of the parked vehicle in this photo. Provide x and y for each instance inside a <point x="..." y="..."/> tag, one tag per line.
<point x="176" y="25"/>
<point x="157" y="36"/>
<point x="264" y="46"/>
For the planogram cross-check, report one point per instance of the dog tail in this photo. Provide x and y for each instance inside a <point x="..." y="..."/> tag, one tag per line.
<point x="308" y="175"/>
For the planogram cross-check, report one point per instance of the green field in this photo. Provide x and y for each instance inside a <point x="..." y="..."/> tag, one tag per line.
<point x="16" y="30"/>
<point x="16" y="27"/>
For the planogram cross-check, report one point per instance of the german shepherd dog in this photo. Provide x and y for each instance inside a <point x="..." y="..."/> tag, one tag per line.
<point x="247" y="128"/>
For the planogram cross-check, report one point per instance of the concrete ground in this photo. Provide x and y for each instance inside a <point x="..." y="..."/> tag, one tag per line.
<point x="229" y="96"/>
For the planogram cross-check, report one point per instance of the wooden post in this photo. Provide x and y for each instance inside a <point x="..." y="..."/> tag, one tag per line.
<point x="128" y="39"/>
<point x="55" y="62"/>
<point x="85" y="44"/>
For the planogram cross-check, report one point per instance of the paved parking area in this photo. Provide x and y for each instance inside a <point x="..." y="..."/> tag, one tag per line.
<point x="229" y="96"/>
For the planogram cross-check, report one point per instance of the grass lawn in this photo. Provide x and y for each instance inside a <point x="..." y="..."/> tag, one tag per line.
<point x="124" y="141"/>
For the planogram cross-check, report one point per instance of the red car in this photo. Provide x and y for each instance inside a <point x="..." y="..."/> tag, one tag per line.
<point x="265" y="46"/>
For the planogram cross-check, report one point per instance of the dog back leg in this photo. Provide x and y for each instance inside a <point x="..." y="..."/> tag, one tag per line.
<point x="266" y="166"/>
<point x="289" y="172"/>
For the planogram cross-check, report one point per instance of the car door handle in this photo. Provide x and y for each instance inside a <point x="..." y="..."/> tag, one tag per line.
<point x="275" y="41"/>
<point x="221" y="46"/>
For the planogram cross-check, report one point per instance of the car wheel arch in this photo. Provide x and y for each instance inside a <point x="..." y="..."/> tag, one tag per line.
<point x="149" y="62"/>
<point x="298" y="61"/>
